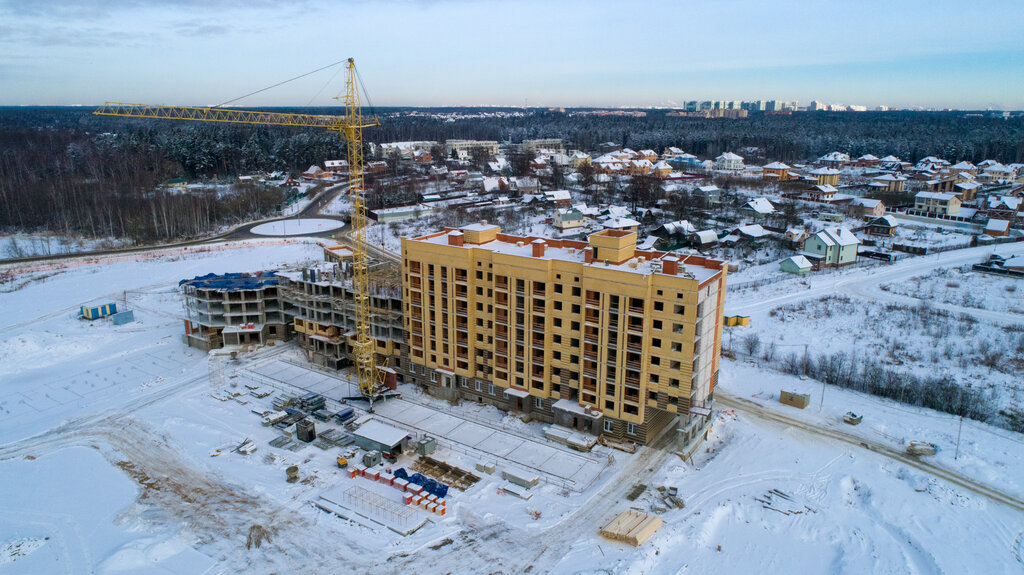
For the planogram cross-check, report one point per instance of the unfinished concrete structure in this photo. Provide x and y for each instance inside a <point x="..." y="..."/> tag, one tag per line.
<point x="594" y="335"/>
<point x="233" y="309"/>
<point x="322" y="313"/>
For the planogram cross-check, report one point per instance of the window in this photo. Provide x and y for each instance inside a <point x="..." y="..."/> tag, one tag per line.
<point x="608" y="425"/>
<point x="558" y="287"/>
<point x="479" y="273"/>
<point x="539" y="402"/>
<point x="656" y="342"/>
<point x="680" y="309"/>
<point x="556" y="355"/>
<point x="558" y="305"/>
<point x="679" y="295"/>
<point x="631" y="428"/>
<point x="433" y="377"/>
<point x="656" y="324"/>
<point x="659" y="306"/>
<point x="575" y="326"/>
<point x="576" y="291"/>
<point x="655" y="360"/>
<point x="575" y="308"/>
<point x="652" y="395"/>
<point x="558" y="322"/>
<point x="556" y="339"/>
<point x="479" y="386"/>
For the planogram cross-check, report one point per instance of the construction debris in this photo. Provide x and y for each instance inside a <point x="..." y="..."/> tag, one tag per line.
<point x="445" y="473"/>
<point x="627" y="446"/>
<point x="784" y="503"/>
<point x="637" y="491"/>
<point x="631" y="527"/>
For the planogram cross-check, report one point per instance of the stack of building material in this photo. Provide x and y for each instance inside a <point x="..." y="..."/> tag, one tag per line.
<point x="311" y="402"/>
<point x="631" y="527"/>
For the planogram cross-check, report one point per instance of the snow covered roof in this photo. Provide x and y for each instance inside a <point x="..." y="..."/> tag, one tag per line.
<point x="889" y="178"/>
<point x="887" y="220"/>
<point x="1014" y="262"/>
<point x="707" y="236"/>
<point x="336" y="163"/>
<point x="837" y="236"/>
<point x="835" y="157"/>
<point x="985" y="163"/>
<point x="800" y="262"/>
<point x="620" y="223"/>
<point x="935" y="196"/>
<point x="662" y="165"/>
<point x="617" y="211"/>
<point x="729" y="156"/>
<point x="1009" y="202"/>
<point x="964" y="165"/>
<point x="648" y="153"/>
<point x="558" y="194"/>
<point x="753" y="231"/>
<point x="679" y="227"/>
<point x="968" y="185"/>
<point x="890" y="158"/>
<point x="995" y="225"/>
<point x="824" y="172"/>
<point x="868" y="158"/>
<point x="479" y="227"/>
<point x="776" y="166"/>
<point x="380" y="433"/>
<point x="826" y="188"/>
<point x="708" y="189"/>
<point x="865" y="202"/>
<point x="761" y="206"/>
<point x="647" y="243"/>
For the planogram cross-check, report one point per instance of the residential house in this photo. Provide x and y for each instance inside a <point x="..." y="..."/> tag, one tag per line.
<point x="579" y="159"/>
<point x="834" y="160"/>
<point x="494" y="184"/>
<point x="865" y="208"/>
<point x="464" y="149"/>
<point x="752" y="232"/>
<point x="965" y="167"/>
<point x="524" y="185"/>
<point x="336" y="166"/>
<point x="867" y="161"/>
<point x="378" y="167"/>
<point x="422" y="157"/>
<point x="759" y="207"/>
<point x="649" y="155"/>
<point x="312" y="173"/>
<point x="561" y="198"/>
<point x="671" y="152"/>
<point x="821" y="193"/>
<point x="704" y="239"/>
<point x="661" y="170"/>
<point x="825" y="176"/>
<point x="711" y="194"/>
<point x="832" y="247"/>
<point x="943" y="204"/>
<point x="621" y="224"/>
<point x="882" y="226"/>
<point x="568" y="219"/>
<point x="999" y="174"/>
<point x="889" y="183"/>
<point x="795" y="237"/>
<point x="997" y="228"/>
<point x="405" y="150"/>
<point x="729" y="162"/>
<point x="1005" y="207"/>
<point x="777" y="171"/>
<point x="891" y="162"/>
<point x="672" y="230"/>
<point x="799" y="265"/>
<point x="966" y="190"/>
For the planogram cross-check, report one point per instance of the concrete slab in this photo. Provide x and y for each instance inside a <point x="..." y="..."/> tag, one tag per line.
<point x="500" y="444"/>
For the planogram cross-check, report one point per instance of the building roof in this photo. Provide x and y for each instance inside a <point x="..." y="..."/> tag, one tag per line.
<point x="556" y="195"/>
<point x="964" y="165"/>
<point x="729" y="156"/>
<point x="800" y="262"/>
<point x="707" y="236"/>
<point x="826" y="188"/>
<point x="232" y="281"/>
<point x="886" y="220"/>
<point x="944" y="196"/>
<point x="824" y="172"/>
<point x="777" y="166"/>
<point x="753" y="231"/>
<point x="381" y="433"/>
<point x="835" y="157"/>
<point x="995" y="225"/>
<point x="479" y="227"/>
<point x="679" y="227"/>
<point x="868" y="158"/>
<point x="761" y="206"/>
<point x="837" y="236"/>
<point x="889" y="178"/>
<point x="890" y="158"/>
<point x="709" y="188"/>
<point x="662" y="165"/>
<point x="865" y="202"/>
<point x="620" y="223"/>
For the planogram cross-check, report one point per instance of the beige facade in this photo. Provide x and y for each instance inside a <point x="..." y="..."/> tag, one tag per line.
<point x="595" y="335"/>
<point x="464" y="148"/>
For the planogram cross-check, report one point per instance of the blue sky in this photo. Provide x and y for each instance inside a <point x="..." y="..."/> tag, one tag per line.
<point x="546" y="53"/>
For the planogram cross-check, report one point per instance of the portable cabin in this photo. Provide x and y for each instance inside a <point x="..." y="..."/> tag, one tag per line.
<point x="98" y="311"/>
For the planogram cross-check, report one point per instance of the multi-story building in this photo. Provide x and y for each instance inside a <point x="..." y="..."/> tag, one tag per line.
<point x="931" y="203"/>
<point x="233" y="309"/>
<point x="554" y="144"/>
<point x="595" y="335"/>
<point x="322" y="313"/>
<point x="463" y="149"/>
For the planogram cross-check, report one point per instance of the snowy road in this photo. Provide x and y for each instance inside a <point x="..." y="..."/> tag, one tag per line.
<point x="864" y="283"/>
<point x="767" y="414"/>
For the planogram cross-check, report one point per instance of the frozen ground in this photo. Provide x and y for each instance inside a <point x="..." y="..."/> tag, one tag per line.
<point x="297" y="227"/>
<point x="963" y="287"/>
<point x="116" y="447"/>
<point x="24" y="245"/>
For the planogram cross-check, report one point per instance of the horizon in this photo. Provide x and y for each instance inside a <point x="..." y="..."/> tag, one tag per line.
<point x="457" y="53"/>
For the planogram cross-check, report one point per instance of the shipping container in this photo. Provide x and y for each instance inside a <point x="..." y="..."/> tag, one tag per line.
<point x="97" y="312"/>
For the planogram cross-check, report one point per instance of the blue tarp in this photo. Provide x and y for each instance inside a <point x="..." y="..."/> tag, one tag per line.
<point x="429" y="485"/>
<point x="232" y="281"/>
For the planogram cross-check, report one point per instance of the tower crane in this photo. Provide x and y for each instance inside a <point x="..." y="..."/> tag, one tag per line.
<point x="351" y="127"/>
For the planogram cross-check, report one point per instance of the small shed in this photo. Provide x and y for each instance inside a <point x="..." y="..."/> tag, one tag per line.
<point x="799" y="265"/>
<point x="374" y="435"/>
<point x="89" y="312"/>
<point x="800" y="400"/>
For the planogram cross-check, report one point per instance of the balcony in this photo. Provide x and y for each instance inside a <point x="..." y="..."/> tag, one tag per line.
<point x="593" y="303"/>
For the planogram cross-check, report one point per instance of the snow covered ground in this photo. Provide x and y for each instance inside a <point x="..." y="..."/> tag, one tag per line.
<point x="24" y="245"/>
<point x="107" y="435"/>
<point x="297" y="227"/>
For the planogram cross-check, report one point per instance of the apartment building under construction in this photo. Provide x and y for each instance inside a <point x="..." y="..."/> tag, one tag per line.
<point x="233" y="309"/>
<point x="595" y="335"/>
<point x="322" y="310"/>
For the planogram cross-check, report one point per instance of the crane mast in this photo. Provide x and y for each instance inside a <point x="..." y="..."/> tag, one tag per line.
<point x="351" y="126"/>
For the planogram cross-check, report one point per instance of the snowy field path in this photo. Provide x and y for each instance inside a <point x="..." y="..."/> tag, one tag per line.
<point x="763" y="413"/>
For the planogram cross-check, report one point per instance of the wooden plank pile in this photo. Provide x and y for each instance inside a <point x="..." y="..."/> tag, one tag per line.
<point x="631" y="527"/>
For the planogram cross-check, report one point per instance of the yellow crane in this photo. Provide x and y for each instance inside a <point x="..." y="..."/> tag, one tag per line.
<point x="351" y="127"/>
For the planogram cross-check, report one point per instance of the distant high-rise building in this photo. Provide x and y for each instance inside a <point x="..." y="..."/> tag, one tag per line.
<point x="814" y="106"/>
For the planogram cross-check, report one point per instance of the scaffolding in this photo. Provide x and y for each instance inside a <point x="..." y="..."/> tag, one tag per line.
<point x="378" y="507"/>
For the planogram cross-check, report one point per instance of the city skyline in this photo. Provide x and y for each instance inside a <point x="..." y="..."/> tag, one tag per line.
<point x="476" y="53"/>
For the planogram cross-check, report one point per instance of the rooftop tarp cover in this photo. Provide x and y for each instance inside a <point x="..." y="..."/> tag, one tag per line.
<point x="232" y="281"/>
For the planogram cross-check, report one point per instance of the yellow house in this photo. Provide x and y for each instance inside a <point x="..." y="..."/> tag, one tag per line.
<point x="778" y="172"/>
<point x="595" y="335"/>
<point x="579" y="159"/>
<point x="826" y="176"/>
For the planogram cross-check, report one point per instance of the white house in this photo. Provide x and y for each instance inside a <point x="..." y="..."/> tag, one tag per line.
<point x="729" y="162"/>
